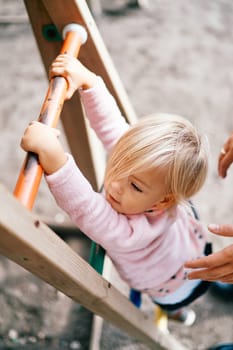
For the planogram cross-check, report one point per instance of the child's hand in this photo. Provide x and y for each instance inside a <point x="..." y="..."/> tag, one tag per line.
<point x="43" y="140"/>
<point x="76" y="74"/>
<point x="226" y="157"/>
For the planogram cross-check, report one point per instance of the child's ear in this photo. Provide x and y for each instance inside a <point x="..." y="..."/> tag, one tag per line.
<point x="166" y="202"/>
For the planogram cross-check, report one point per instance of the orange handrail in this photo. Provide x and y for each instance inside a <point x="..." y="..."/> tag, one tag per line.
<point x="31" y="173"/>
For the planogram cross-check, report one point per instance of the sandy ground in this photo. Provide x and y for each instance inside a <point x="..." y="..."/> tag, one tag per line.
<point x="174" y="57"/>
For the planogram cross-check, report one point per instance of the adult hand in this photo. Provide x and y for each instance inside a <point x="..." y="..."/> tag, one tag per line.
<point x="226" y="157"/>
<point x="217" y="266"/>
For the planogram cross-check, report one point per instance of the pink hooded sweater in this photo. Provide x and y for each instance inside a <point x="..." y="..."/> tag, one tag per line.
<point x="148" y="250"/>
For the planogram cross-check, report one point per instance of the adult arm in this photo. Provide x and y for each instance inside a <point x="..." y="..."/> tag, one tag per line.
<point x="217" y="266"/>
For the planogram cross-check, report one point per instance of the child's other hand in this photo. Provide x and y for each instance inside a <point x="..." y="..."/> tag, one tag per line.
<point x="43" y="140"/>
<point x="225" y="157"/>
<point x="76" y="74"/>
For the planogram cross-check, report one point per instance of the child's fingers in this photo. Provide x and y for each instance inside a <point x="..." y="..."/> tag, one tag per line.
<point x="57" y="71"/>
<point x="63" y="66"/>
<point x="29" y="124"/>
<point x="36" y="124"/>
<point x="61" y="72"/>
<point x="61" y="61"/>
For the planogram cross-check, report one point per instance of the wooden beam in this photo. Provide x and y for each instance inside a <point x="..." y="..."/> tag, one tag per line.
<point x="31" y="244"/>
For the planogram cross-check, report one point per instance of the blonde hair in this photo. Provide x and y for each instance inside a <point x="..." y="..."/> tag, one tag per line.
<point x="163" y="142"/>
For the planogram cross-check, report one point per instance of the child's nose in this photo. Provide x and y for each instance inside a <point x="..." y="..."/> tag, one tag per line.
<point x="117" y="187"/>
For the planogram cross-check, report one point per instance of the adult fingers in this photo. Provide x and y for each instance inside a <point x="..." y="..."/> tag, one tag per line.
<point x="221" y="230"/>
<point x="212" y="274"/>
<point x="210" y="261"/>
<point x="225" y="161"/>
<point x="227" y="278"/>
<point x="226" y="157"/>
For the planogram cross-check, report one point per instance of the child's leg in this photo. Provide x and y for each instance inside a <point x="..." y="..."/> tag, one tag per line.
<point x="135" y="297"/>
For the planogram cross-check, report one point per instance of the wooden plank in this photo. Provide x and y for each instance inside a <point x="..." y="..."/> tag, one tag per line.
<point x="31" y="244"/>
<point x="98" y="322"/>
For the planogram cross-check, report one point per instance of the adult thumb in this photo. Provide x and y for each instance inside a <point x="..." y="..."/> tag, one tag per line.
<point x="221" y="230"/>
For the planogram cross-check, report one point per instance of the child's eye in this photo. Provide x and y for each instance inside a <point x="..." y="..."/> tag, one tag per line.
<point x="135" y="187"/>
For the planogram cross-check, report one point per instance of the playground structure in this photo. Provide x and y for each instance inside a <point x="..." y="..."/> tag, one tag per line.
<point x="38" y="248"/>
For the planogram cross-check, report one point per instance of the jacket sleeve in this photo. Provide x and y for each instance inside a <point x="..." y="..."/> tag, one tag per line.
<point x="88" y="209"/>
<point x="103" y="114"/>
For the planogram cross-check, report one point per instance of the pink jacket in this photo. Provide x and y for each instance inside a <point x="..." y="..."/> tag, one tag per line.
<point x="148" y="250"/>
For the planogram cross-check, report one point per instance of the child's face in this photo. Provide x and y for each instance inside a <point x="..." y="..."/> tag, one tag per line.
<point x="137" y="193"/>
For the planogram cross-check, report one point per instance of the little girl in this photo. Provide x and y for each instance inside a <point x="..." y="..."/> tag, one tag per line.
<point x="142" y="219"/>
